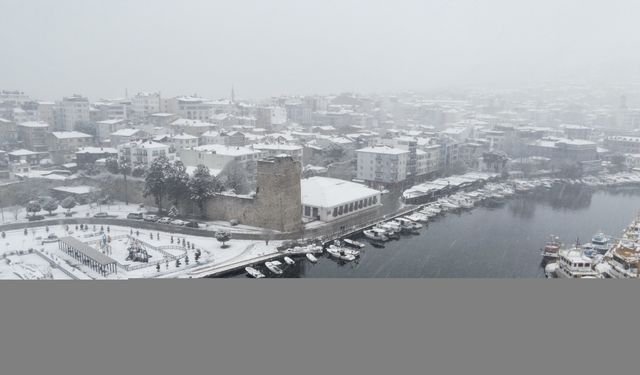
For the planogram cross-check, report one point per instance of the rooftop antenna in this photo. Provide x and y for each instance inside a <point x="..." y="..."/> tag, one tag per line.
<point x="233" y="95"/>
<point x="126" y="93"/>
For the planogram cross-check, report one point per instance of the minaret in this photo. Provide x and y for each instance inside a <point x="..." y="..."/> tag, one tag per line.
<point x="233" y="95"/>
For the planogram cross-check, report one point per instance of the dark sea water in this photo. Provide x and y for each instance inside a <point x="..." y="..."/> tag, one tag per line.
<point x="487" y="242"/>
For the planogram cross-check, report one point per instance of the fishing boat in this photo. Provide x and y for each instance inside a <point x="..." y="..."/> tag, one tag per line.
<point x="289" y="261"/>
<point x="376" y="234"/>
<point x="340" y="253"/>
<point x="407" y="224"/>
<point x="254" y="273"/>
<point x="312" y="258"/>
<point x="273" y="267"/>
<point x="353" y="243"/>
<point x="573" y="264"/>
<point x="418" y="217"/>
<point x="551" y="248"/>
<point x="391" y="231"/>
<point x="600" y="244"/>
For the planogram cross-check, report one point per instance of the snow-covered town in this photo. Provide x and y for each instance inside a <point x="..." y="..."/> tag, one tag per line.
<point x="147" y="186"/>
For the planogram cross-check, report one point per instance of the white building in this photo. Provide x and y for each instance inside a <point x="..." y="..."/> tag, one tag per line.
<point x="382" y="164"/>
<point x="189" y="107"/>
<point x="327" y="199"/>
<point x="105" y="128"/>
<point x="145" y="104"/>
<point x="71" y="111"/>
<point x="216" y="157"/>
<point x="143" y="152"/>
<point x="183" y="140"/>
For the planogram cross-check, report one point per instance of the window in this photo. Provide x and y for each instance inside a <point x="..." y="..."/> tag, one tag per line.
<point x="350" y="207"/>
<point x="375" y="200"/>
<point x="307" y="211"/>
<point x="340" y="210"/>
<point x="360" y="204"/>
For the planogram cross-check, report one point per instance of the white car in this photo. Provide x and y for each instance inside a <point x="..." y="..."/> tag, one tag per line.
<point x="165" y="220"/>
<point x="178" y="222"/>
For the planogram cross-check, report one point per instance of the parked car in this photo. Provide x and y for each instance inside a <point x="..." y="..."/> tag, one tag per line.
<point x="101" y="214"/>
<point x="193" y="224"/>
<point x="165" y="220"/>
<point x="179" y="222"/>
<point x="152" y="218"/>
<point x="135" y="215"/>
<point x="35" y="217"/>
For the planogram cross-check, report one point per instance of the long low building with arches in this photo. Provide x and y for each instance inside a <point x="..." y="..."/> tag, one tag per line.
<point x="327" y="199"/>
<point x="88" y="255"/>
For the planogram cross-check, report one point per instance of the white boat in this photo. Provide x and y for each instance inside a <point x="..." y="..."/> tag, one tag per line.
<point x="390" y="231"/>
<point x="289" y="261"/>
<point x="418" y="217"/>
<point x="573" y="264"/>
<point x="340" y="253"/>
<point x="353" y="243"/>
<point x="311" y="258"/>
<point x="550" y="269"/>
<point x="408" y="224"/>
<point x="273" y="267"/>
<point x="376" y="234"/>
<point x="254" y="272"/>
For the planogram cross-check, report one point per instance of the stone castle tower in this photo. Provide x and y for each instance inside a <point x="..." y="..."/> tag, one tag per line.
<point x="278" y="202"/>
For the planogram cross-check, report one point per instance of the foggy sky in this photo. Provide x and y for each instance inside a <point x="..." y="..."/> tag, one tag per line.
<point x="271" y="47"/>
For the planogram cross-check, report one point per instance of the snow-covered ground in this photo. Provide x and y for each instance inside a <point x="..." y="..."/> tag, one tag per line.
<point x="116" y="210"/>
<point x="28" y="257"/>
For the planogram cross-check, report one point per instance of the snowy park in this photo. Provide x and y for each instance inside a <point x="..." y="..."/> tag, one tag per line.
<point x="36" y="253"/>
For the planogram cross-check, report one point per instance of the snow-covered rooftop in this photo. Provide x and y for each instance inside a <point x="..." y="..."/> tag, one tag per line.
<point x="71" y="134"/>
<point x="96" y="150"/>
<point x="330" y="192"/>
<point x="34" y="124"/>
<point x="383" y="150"/>
<point x="127" y="132"/>
<point x="226" y="150"/>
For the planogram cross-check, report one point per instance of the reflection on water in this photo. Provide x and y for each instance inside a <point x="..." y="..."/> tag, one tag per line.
<point x="501" y="241"/>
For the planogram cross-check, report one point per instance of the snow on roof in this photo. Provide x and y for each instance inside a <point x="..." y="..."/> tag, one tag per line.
<point x="194" y="123"/>
<point x="210" y="133"/>
<point x="22" y="152"/>
<point x="145" y="144"/>
<point x="226" y="150"/>
<point x="71" y="134"/>
<point x="383" y="150"/>
<point x="34" y="124"/>
<point x="330" y="192"/>
<point x="96" y="150"/>
<point x="162" y="114"/>
<point x="183" y="136"/>
<point x="277" y="146"/>
<point x="111" y="122"/>
<point x="127" y="132"/>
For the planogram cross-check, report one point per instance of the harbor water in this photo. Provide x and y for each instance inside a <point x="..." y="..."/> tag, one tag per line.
<point x="502" y="241"/>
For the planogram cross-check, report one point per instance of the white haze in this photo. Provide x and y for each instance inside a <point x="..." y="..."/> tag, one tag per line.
<point x="100" y="48"/>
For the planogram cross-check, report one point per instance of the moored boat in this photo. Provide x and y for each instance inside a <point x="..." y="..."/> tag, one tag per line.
<point x="353" y="243"/>
<point x="254" y="273"/>
<point x="273" y="267"/>
<point x="376" y="234"/>
<point x="311" y="258"/>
